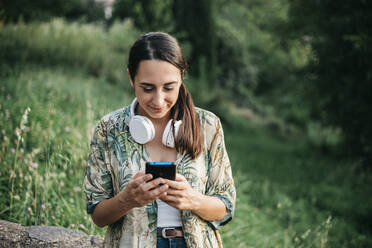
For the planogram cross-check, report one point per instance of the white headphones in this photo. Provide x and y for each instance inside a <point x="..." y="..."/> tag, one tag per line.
<point x="143" y="131"/>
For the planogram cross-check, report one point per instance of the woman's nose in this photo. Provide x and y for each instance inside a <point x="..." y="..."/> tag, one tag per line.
<point x="158" y="99"/>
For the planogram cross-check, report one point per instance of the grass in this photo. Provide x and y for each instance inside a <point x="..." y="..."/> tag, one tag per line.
<point x="316" y="200"/>
<point x="290" y="194"/>
<point x="42" y="164"/>
<point x="92" y="48"/>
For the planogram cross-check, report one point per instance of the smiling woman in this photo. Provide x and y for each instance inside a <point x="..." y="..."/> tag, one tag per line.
<point x="156" y="86"/>
<point x="162" y="124"/>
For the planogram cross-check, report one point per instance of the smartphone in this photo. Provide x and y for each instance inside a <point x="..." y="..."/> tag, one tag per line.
<point x="165" y="170"/>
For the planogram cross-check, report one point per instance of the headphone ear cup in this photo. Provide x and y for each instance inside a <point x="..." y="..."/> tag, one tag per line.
<point x="141" y="129"/>
<point x="168" y="138"/>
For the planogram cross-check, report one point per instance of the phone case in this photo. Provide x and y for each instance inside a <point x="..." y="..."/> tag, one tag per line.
<point x="165" y="170"/>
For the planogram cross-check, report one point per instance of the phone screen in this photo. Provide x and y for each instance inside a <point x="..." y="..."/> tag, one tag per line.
<point x="165" y="170"/>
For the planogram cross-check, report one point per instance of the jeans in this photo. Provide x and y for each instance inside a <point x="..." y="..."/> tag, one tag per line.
<point x="170" y="243"/>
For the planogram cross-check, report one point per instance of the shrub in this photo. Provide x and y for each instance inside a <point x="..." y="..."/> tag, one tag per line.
<point x="99" y="52"/>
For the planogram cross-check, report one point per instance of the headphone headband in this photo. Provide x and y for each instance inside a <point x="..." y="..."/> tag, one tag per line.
<point x="133" y="107"/>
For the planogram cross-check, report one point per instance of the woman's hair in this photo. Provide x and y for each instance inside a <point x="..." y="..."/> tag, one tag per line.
<point x="162" y="46"/>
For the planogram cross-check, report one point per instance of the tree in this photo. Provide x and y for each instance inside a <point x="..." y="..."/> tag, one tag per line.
<point x="147" y="16"/>
<point x="43" y="10"/>
<point x="340" y="34"/>
<point x="196" y="19"/>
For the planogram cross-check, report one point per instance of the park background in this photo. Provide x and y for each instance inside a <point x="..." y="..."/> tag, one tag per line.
<point x="290" y="80"/>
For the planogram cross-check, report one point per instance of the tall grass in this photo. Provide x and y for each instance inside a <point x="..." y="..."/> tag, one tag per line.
<point x="316" y="200"/>
<point x="46" y="120"/>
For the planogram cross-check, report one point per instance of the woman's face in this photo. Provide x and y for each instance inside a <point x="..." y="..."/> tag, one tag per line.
<point x="156" y="85"/>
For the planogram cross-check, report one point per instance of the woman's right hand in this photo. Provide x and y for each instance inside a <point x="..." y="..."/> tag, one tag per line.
<point x="140" y="190"/>
<point x="138" y="193"/>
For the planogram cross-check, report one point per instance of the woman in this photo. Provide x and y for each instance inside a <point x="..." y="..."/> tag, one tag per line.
<point x="141" y="212"/>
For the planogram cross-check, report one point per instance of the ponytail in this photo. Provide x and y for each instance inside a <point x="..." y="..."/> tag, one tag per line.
<point x="189" y="136"/>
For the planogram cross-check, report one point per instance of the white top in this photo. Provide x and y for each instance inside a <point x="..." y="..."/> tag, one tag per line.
<point x="168" y="216"/>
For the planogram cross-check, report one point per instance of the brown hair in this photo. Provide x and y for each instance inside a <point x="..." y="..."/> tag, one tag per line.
<point x="162" y="46"/>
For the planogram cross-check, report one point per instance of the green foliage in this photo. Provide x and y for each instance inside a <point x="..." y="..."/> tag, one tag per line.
<point x="147" y="16"/>
<point x="310" y="200"/>
<point x="289" y="193"/>
<point x="43" y="150"/>
<point x="285" y="191"/>
<point x="215" y="100"/>
<point x="195" y="22"/>
<point x="255" y="66"/>
<point x="44" y="10"/>
<point x="340" y="72"/>
<point x="84" y="46"/>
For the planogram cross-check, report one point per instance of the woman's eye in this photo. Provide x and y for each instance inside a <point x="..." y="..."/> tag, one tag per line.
<point x="147" y="89"/>
<point x="168" y="89"/>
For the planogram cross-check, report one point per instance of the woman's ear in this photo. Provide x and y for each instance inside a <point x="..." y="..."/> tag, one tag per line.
<point x="130" y="79"/>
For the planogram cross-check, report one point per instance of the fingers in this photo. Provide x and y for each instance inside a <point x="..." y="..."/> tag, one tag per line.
<point x="137" y="180"/>
<point x="170" y="199"/>
<point x="158" y="192"/>
<point x="179" y="185"/>
<point x="143" y="187"/>
<point x="152" y="184"/>
<point x="145" y="197"/>
<point x="180" y="178"/>
<point x="140" y="190"/>
<point x="143" y="190"/>
<point x="175" y="192"/>
<point x="141" y="173"/>
<point x="174" y="202"/>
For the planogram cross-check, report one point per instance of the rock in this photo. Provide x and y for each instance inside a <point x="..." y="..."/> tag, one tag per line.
<point x="12" y="234"/>
<point x="15" y="235"/>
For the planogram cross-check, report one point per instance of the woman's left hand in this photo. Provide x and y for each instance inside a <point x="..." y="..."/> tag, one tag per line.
<point x="181" y="195"/>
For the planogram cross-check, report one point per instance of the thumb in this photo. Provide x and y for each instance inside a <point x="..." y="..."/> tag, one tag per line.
<point x="180" y="178"/>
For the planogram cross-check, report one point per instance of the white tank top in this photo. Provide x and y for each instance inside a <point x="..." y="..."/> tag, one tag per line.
<point x="168" y="216"/>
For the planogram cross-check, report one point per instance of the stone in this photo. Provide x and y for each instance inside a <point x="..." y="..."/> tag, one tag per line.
<point x="12" y="234"/>
<point x="15" y="235"/>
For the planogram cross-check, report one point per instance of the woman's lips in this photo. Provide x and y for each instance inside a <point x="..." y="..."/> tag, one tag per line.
<point x="156" y="110"/>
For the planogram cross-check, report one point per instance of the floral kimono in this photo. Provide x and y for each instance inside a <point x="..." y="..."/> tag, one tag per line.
<point x="115" y="158"/>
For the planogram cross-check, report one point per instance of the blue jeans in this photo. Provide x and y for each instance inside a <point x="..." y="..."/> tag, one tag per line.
<point x="170" y="243"/>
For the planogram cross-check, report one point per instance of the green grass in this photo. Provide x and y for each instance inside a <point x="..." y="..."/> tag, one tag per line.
<point x="43" y="166"/>
<point x="289" y="193"/>
<point x="311" y="197"/>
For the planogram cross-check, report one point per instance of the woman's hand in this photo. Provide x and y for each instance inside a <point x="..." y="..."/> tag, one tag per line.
<point x="141" y="191"/>
<point x="180" y="194"/>
<point x="183" y="197"/>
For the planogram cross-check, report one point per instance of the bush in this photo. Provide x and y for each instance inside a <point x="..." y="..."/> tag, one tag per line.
<point x="44" y="10"/>
<point x="85" y="46"/>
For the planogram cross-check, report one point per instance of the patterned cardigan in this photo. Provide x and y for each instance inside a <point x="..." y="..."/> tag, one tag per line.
<point x="115" y="157"/>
